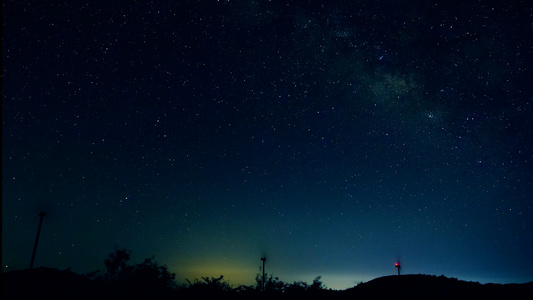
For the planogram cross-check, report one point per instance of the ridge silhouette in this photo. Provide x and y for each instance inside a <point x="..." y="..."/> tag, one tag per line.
<point x="149" y="280"/>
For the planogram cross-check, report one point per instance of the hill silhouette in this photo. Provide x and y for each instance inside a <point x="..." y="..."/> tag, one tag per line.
<point x="47" y="283"/>
<point x="441" y="287"/>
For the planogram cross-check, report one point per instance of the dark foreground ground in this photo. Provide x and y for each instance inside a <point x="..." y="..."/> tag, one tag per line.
<point x="46" y="283"/>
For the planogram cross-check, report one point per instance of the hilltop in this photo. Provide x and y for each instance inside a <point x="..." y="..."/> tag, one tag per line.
<point x="433" y="287"/>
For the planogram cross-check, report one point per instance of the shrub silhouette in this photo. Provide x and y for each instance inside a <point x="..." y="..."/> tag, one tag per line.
<point x="296" y="288"/>
<point x="272" y="284"/>
<point x="208" y="287"/>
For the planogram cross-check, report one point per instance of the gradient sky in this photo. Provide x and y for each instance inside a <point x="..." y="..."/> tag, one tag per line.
<point x="335" y="138"/>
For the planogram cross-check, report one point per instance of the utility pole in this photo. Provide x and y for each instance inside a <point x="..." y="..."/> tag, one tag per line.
<point x="263" y="259"/>
<point x="41" y="214"/>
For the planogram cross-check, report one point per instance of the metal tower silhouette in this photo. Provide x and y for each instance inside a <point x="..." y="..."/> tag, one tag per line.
<point x="41" y="214"/>
<point x="398" y="266"/>
<point x="264" y="260"/>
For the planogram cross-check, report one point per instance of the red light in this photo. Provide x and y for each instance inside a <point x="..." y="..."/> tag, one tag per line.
<point x="396" y="264"/>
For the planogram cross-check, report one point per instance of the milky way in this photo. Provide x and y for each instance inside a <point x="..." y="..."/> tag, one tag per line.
<point x="333" y="138"/>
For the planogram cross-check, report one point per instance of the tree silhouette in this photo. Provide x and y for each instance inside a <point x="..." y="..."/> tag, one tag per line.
<point x="116" y="263"/>
<point x="151" y="275"/>
<point x="146" y="279"/>
<point x="317" y="285"/>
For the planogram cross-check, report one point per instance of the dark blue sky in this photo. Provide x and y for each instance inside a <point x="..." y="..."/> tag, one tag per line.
<point x="333" y="138"/>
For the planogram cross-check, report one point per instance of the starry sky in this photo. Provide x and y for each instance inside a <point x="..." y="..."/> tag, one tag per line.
<point x="334" y="137"/>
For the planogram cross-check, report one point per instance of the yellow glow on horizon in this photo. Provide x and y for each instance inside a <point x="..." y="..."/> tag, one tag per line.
<point x="237" y="275"/>
<point x="234" y="273"/>
<point x="242" y="270"/>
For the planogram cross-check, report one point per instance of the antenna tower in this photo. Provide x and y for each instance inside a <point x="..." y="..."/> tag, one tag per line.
<point x="398" y="266"/>
<point x="264" y="260"/>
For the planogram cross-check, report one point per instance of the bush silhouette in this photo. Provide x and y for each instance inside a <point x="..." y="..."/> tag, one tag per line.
<point x="272" y="284"/>
<point x="208" y="287"/>
<point x="296" y="288"/>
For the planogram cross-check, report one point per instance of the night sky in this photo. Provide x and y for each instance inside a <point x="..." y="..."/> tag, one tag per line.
<point x="334" y="137"/>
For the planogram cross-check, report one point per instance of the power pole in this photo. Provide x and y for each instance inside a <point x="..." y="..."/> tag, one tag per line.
<point x="263" y="259"/>
<point x="41" y="214"/>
